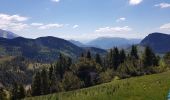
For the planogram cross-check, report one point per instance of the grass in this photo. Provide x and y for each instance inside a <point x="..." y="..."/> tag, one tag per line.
<point x="149" y="87"/>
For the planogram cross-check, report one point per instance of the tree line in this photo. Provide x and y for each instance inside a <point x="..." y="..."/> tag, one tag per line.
<point x="66" y="74"/>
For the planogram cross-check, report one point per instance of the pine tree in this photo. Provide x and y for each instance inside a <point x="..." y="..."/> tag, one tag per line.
<point x="150" y="58"/>
<point x="54" y="83"/>
<point x="98" y="59"/>
<point x="44" y="82"/>
<point x="51" y="69"/>
<point x="88" y="56"/>
<point x="116" y="58"/>
<point x="21" y="91"/>
<point x="62" y="65"/>
<point x="14" y="92"/>
<point x="82" y="55"/>
<point x="122" y="56"/>
<point x="36" y="85"/>
<point x="134" y="52"/>
<point x="18" y="91"/>
<point x="69" y="62"/>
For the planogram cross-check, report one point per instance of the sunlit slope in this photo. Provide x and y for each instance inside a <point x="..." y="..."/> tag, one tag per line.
<point x="150" y="87"/>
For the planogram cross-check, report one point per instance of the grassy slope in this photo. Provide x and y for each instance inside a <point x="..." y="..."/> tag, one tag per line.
<point x="150" y="87"/>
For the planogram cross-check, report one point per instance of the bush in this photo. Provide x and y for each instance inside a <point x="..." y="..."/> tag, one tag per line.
<point x="106" y="76"/>
<point x="127" y="69"/>
<point x="71" y="81"/>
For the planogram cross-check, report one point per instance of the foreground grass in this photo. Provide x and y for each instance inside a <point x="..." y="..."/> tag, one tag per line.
<point x="150" y="87"/>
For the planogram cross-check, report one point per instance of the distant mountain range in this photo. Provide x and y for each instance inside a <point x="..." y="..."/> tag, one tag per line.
<point x="7" y="34"/>
<point x="159" y="42"/>
<point x="110" y="42"/>
<point x="44" y="49"/>
<point x="78" y="43"/>
<point x="47" y="49"/>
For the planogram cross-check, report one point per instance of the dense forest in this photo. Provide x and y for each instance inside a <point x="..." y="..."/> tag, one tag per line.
<point x="66" y="74"/>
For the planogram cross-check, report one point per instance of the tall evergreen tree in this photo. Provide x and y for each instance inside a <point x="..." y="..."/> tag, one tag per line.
<point x="54" y="83"/>
<point x="62" y="65"/>
<point x="116" y="58"/>
<point x="14" y="92"/>
<point x="36" y="85"/>
<point x="150" y="58"/>
<point x="88" y="56"/>
<point x="82" y="54"/>
<point x="122" y="56"/>
<point x="44" y="82"/>
<point x="134" y="52"/>
<point x="21" y="91"/>
<point x="98" y="59"/>
<point x="69" y="62"/>
<point x="18" y="91"/>
<point x="51" y="70"/>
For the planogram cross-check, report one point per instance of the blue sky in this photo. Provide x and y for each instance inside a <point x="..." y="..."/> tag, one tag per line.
<point x="84" y="20"/>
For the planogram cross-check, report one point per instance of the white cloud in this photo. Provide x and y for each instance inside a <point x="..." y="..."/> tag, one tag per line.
<point x="163" y="5"/>
<point x="49" y="26"/>
<point x="75" y="26"/>
<point x="37" y="24"/>
<point x="12" y="18"/>
<point x="12" y="22"/>
<point x="55" y="0"/>
<point x="121" y="19"/>
<point x="113" y="29"/>
<point x="135" y="2"/>
<point x="165" y="27"/>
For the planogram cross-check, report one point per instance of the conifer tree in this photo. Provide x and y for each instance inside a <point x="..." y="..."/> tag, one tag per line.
<point x="44" y="82"/>
<point x="61" y="66"/>
<point x="18" y="91"/>
<point x="116" y="58"/>
<point x="51" y="70"/>
<point x="36" y="85"/>
<point x="134" y="52"/>
<point x="54" y="83"/>
<point x="98" y="59"/>
<point x="21" y="91"/>
<point x="122" y="56"/>
<point x="88" y="56"/>
<point x="150" y="58"/>
<point x="14" y="92"/>
<point x="82" y="55"/>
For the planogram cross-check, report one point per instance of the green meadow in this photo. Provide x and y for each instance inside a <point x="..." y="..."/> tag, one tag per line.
<point x="148" y="87"/>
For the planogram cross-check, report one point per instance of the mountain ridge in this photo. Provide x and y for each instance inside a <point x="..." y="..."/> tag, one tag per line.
<point x="43" y="48"/>
<point x="110" y="42"/>
<point x="7" y="34"/>
<point x="159" y="42"/>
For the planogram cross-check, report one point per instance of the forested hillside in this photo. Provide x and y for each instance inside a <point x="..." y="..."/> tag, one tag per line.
<point x="29" y="78"/>
<point x="43" y="49"/>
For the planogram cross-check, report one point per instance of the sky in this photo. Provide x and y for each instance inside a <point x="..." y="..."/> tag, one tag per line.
<point x="84" y="20"/>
